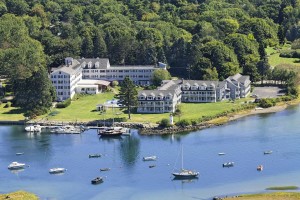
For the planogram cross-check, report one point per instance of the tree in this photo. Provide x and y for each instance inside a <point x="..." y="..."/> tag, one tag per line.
<point x="22" y="60"/>
<point x="159" y="75"/>
<point x="128" y="94"/>
<point x="263" y="68"/>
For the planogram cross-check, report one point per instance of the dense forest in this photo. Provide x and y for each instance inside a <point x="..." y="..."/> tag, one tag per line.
<point x="198" y="39"/>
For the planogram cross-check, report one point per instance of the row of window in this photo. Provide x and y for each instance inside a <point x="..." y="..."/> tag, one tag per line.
<point x="156" y="103"/>
<point x="117" y="71"/>
<point x="198" y="88"/>
<point x="62" y="87"/>
<point x="63" y="93"/>
<point x="60" y="76"/>
<point x="204" y="93"/>
<point x="154" y="98"/>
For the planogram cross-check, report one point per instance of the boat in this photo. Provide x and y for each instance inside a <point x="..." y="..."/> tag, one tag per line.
<point x="97" y="180"/>
<point x="149" y="158"/>
<point x="16" y="165"/>
<point x="260" y="168"/>
<point x="151" y="166"/>
<point x="228" y="164"/>
<point x="268" y="152"/>
<point x="185" y="173"/>
<point x="19" y="153"/>
<point x="95" y="155"/>
<point x="33" y="128"/>
<point x="221" y="154"/>
<point x="104" y="169"/>
<point x="67" y="130"/>
<point x="109" y="131"/>
<point x="57" y="170"/>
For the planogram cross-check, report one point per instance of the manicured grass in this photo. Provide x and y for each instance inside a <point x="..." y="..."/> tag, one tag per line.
<point x="283" y="188"/>
<point x="83" y="110"/>
<point x="19" y="195"/>
<point x="11" y="113"/>
<point x="269" y="196"/>
<point x="275" y="60"/>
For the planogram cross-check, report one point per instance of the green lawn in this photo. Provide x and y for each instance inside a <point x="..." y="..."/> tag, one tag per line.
<point x="11" y="113"/>
<point x="275" y="60"/>
<point x="84" y="110"/>
<point x="269" y="196"/>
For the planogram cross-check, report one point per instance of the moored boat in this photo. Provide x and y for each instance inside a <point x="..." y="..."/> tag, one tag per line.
<point x="260" y="168"/>
<point x="19" y="153"/>
<point x="268" y="152"/>
<point x="185" y="173"/>
<point x="104" y="169"/>
<point x="33" y="128"/>
<point x="57" y="170"/>
<point x="221" y="154"/>
<point x="228" y="164"/>
<point x="97" y="180"/>
<point x="95" y="155"/>
<point x="149" y="158"/>
<point x="16" y="165"/>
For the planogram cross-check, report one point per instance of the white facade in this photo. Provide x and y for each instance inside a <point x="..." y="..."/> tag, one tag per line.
<point x="66" y="77"/>
<point x="65" y="81"/>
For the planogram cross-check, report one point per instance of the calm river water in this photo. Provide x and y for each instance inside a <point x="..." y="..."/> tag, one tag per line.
<point x="130" y="178"/>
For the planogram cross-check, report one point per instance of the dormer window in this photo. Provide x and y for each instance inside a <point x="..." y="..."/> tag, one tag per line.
<point x="142" y="98"/>
<point x="97" y="65"/>
<point x="90" y="65"/>
<point x="150" y="98"/>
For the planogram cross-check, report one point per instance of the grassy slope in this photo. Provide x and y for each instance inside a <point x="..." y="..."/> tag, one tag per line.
<point x="270" y="196"/>
<point x="274" y="58"/>
<point x="19" y="195"/>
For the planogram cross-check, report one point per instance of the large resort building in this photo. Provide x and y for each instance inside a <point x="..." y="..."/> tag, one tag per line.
<point x="91" y="76"/>
<point x="171" y="93"/>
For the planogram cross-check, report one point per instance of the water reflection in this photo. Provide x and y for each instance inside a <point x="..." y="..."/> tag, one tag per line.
<point x="129" y="150"/>
<point x="16" y="171"/>
<point x="185" y="180"/>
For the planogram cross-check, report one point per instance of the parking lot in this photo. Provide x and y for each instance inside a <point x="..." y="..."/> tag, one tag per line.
<point x="267" y="92"/>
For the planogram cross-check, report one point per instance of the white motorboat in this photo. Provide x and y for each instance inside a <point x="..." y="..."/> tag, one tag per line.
<point x="33" y="128"/>
<point x="221" y="154"/>
<point x="57" y="170"/>
<point x="19" y="153"/>
<point x="228" y="164"/>
<point x="149" y="158"/>
<point x="16" y="165"/>
<point x="268" y="152"/>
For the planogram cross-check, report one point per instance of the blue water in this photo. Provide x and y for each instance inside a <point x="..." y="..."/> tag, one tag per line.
<point x="243" y="141"/>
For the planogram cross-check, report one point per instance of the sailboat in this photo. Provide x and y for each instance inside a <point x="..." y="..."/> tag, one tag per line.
<point x="185" y="173"/>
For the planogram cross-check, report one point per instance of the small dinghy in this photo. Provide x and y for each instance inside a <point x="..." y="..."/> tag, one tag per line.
<point x="97" y="180"/>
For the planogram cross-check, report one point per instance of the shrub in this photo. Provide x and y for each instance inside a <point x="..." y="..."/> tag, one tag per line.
<point x="114" y="83"/>
<point x="183" y="123"/>
<point x="64" y="104"/>
<point x="266" y="103"/>
<point x="7" y="105"/>
<point x="164" y="123"/>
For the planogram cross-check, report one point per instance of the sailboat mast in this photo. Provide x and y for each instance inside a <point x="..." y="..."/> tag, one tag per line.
<point x="181" y="158"/>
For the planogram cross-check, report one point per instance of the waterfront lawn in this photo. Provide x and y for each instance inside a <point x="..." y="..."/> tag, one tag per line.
<point x="11" y="113"/>
<point x="83" y="110"/>
<point x="269" y="196"/>
<point x="19" y="195"/>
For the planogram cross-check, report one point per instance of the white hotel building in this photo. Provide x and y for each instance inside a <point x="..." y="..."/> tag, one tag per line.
<point x="72" y="76"/>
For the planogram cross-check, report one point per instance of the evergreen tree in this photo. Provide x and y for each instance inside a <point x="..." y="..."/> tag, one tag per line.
<point x="128" y="94"/>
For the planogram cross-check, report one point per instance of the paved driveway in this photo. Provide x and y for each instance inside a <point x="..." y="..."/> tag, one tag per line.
<point x="267" y="92"/>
